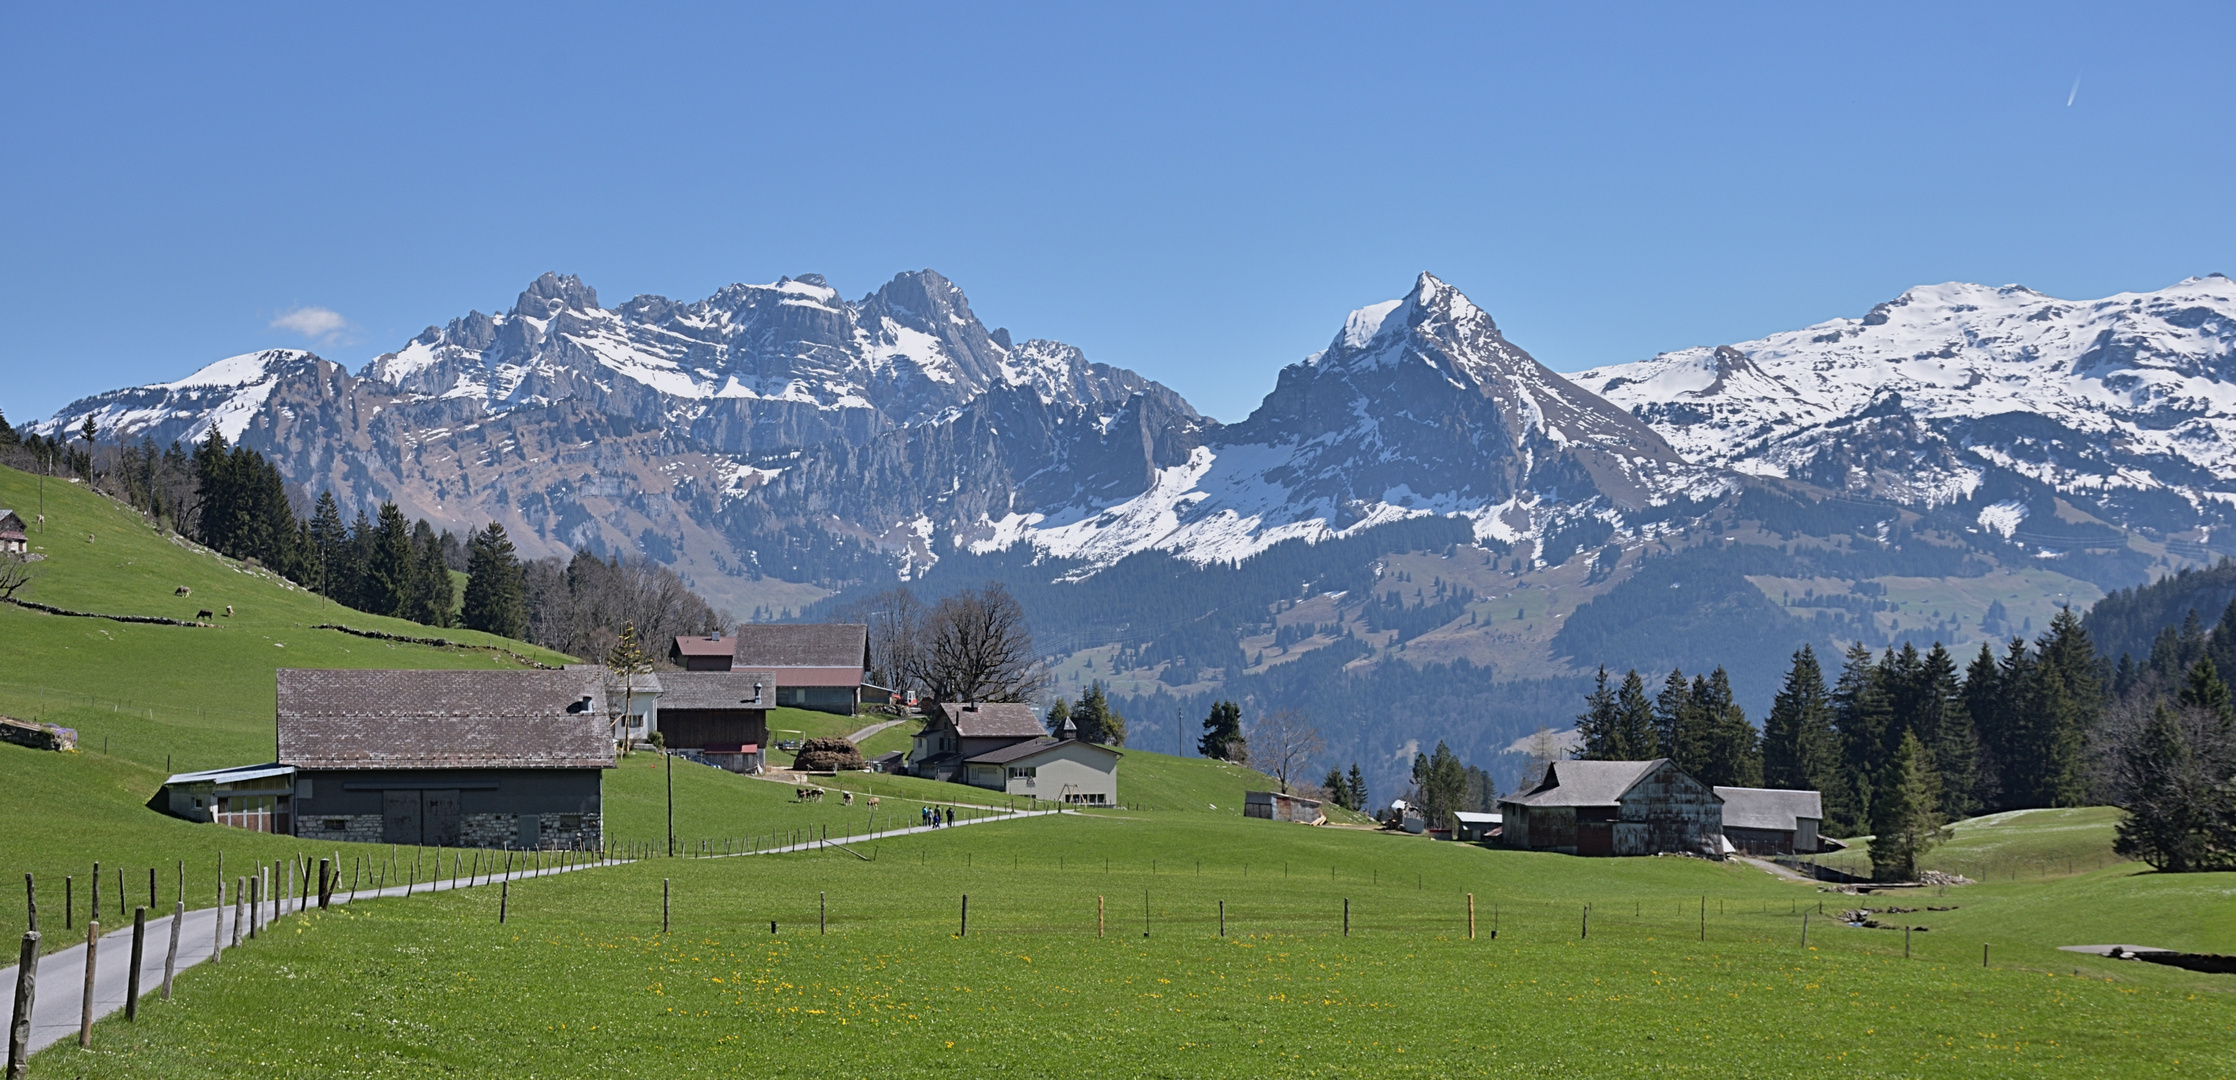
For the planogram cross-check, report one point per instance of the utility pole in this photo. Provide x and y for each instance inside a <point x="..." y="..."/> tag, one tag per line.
<point x="670" y="755"/>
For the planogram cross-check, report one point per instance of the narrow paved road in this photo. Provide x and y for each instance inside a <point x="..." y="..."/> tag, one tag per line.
<point x="61" y="983"/>
<point x="873" y="729"/>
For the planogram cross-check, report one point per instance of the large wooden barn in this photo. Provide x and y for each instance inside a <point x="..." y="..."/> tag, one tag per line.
<point x="1615" y="808"/>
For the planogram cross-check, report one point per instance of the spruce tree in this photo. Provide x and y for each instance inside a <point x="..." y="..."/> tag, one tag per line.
<point x="1906" y="822"/>
<point x="1598" y="727"/>
<point x="2181" y="816"/>
<point x="1860" y="715"/>
<point x="2073" y="706"/>
<point x="1729" y="751"/>
<point x="1634" y="724"/>
<point x="1669" y="713"/>
<point x="2205" y="690"/>
<point x="328" y="536"/>
<point x="496" y="588"/>
<point x="431" y="595"/>
<point x="1338" y="791"/>
<point x="1357" y="784"/>
<point x="1222" y="733"/>
<point x="390" y="569"/>
<point x="1059" y="714"/>
<point x="1949" y="740"/>
<point x="1097" y="721"/>
<point x="357" y="581"/>
<point x="1799" y="709"/>
<point x="1983" y="704"/>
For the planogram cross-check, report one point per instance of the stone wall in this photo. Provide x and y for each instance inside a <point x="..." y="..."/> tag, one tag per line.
<point x="572" y="831"/>
<point x="355" y="828"/>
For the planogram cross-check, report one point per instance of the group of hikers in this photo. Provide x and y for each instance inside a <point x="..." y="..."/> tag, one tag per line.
<point x="929" y="816"/>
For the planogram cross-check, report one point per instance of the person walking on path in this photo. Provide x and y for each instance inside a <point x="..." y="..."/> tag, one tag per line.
<point x="951" y="815"/>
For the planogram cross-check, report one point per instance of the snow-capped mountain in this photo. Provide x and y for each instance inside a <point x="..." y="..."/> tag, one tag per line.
<point x="225" y="395"/>
<point x="2124" y="405"/>
<point x="1419" y="406"/>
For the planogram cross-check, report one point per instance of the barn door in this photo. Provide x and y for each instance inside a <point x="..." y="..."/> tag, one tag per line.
<point x="441" y="826"/>
<point x="399" y="817"/>
<point x="1595" y="838"/>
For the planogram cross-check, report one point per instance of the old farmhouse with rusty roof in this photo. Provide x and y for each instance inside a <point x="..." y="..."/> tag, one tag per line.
<point x="1615" y="808"/>
<point x="501" y="759"/>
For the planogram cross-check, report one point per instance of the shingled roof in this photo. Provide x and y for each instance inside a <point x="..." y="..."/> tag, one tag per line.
<point x="1586" y="783"/>
<point x="443" y="720"/>
<point x="718" y="690"/>
<point x="1769" y="808"/>
<point x="787" y="645"/>
<point x="993" y="720"/>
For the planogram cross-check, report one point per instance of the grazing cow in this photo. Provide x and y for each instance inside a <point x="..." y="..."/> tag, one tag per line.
<point x="182" y="590"/>
<point x="873" y="802"/>
<point x="810" y="793"/>
<point x="228" y="611"/>
<point x="205" y="613"/>
<point x="846" y="798"/>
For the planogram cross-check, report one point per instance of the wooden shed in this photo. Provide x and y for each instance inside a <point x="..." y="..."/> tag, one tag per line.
<point x="1772" y="821"/>
<point x="1615" y="808"/>
<point x="1282" y="806"/>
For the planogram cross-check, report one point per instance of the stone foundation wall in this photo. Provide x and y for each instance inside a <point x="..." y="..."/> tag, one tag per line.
<point x="356" y="828"/>
<point x="489" y="830"/>
<point x="553" y="833"/>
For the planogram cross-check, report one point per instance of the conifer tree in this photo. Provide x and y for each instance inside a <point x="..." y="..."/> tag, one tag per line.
<point x="1059" y="714"/>
<point x="1983" y="704"/>
<point x="1728" y="749"/>
<point x="1357" y="784"/>
<point x="1222" y="733"/>
<point x="1799" y="710"/>
<point x="1339" y="792"/>
<point x="1949" y="738"/>
<point x="2072" y="704"/>
<point x="496" y="591"/>
<point x="357" y="583"/>
<point x="1097" y="721"/>
<point x="1598" y="726"/>
<point x="1634" y="725"/>
<point x="1860" y="715"/>
<point x="2181" y="814"/>
<point x="327" y="537"/>
<point x="390" y="568"/>
<point x="2205" y="690"/>
<point x="1669" y="714"/>
<point x="1906" y="823"/>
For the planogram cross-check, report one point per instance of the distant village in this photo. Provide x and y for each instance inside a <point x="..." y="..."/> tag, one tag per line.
<point x="515" y="759"/>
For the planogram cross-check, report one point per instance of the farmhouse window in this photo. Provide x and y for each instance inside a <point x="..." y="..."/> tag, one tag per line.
<point x="1019" y="772"/>
<point x="570" y="821"/>
<point x="335" y="824"/>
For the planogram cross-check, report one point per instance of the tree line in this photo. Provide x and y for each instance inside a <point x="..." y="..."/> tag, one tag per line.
<point x="233" y="500"/>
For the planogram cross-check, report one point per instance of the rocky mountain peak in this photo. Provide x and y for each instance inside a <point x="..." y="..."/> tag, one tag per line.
<point x="552" y="293"/>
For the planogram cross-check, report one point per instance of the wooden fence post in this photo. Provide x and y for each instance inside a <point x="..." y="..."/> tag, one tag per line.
<point x="1346" y="916"/>
<point x="85" y="1009"/>
<point x="27" y="992"/>
<point x="822" y="912"/>
<point x="30" y="903"/>
<point x="1222" y="918"/>
<point x="663" y="905"/>
<point x="1587" y="931"/>
<point x="255" y="902"/>
<point x="1098" y="916"/>
<point x="966" y="916"/>
<point x="171" y="955"/>
<point x="1471" y="916"/>
<point x="132" y="977"/>
<point x="1703" y="918"/>
<point x="504" y="898"/>
<point x="69" y="903"/>
<point x="325" y="884"/>
<point x="1983" y="954"/>
<point x="1804" y="929"/>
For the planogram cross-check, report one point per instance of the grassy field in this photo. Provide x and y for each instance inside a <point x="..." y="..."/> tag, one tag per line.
<point x="1688" y="966"/>
<point x="2017" y="844"/>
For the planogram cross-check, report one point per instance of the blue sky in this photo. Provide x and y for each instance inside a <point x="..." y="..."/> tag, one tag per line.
<point x="1193" y="192"/>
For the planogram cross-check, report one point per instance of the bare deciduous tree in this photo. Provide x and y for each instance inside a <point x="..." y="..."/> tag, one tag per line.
<point x="15" y="573"/>
<point x="972" y="646"/>
<point x="580" y="605"/>
<point x="1284" y="743"/>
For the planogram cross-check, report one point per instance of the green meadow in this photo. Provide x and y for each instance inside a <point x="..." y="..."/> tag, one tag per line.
<point x="1094" y="942"/>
